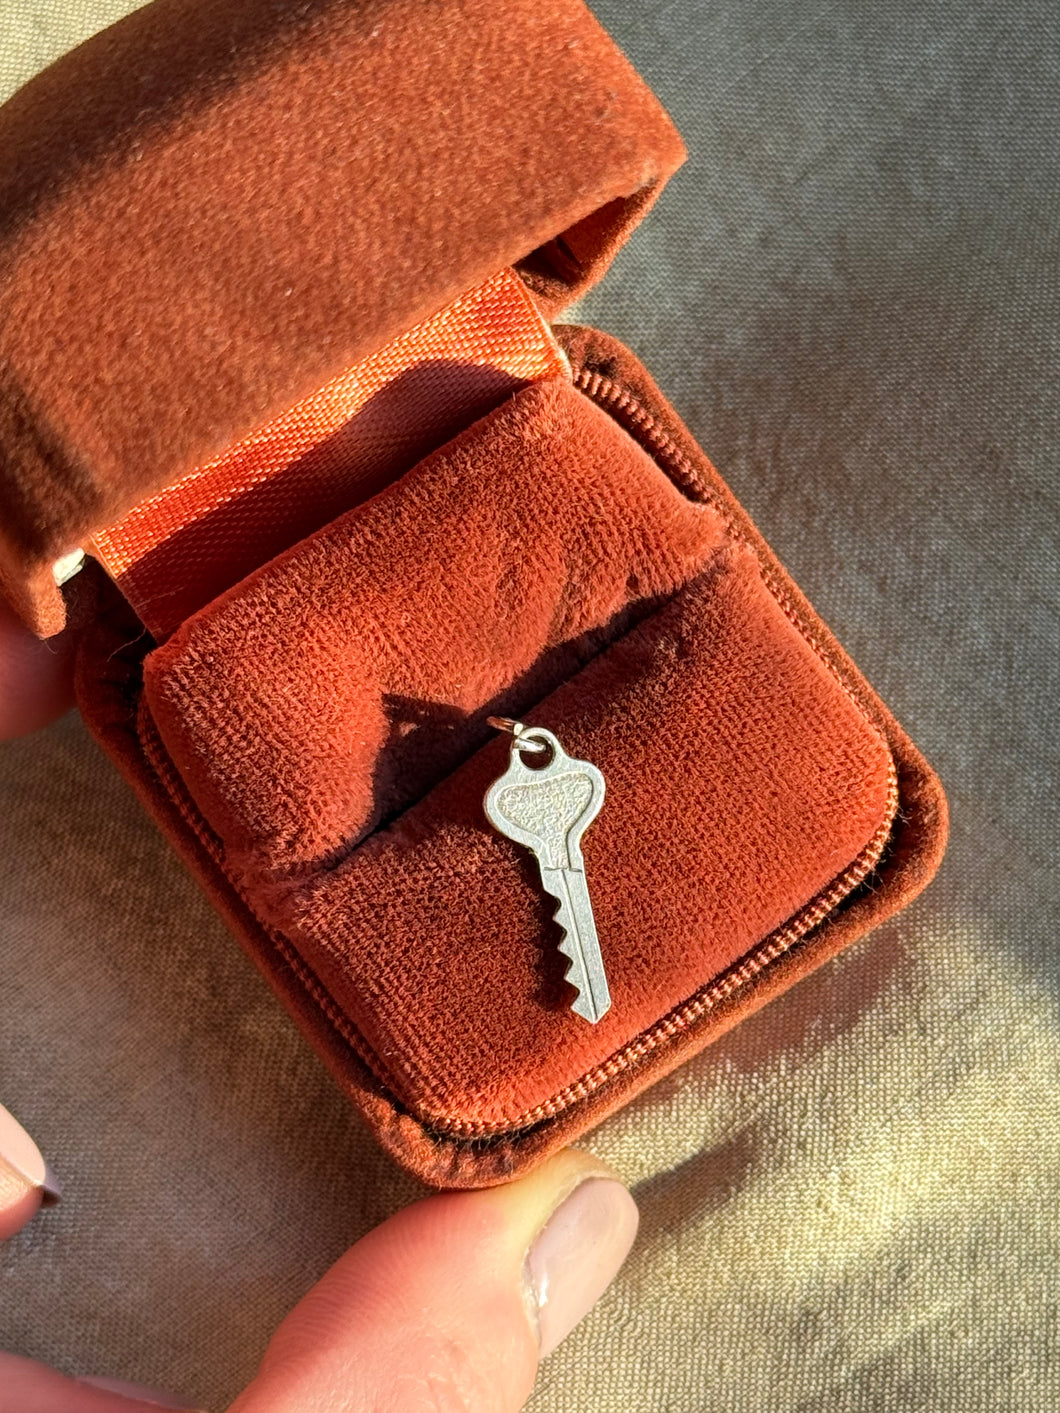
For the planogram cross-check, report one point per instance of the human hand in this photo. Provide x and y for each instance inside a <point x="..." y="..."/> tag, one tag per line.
<point x="449" y="1305"/>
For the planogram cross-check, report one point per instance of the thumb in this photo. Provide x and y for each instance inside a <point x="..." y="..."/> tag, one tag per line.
<point x="451" y="1303"/>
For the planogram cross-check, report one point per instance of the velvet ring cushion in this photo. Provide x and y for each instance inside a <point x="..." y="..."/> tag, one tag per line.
<point x="327" y="716"/>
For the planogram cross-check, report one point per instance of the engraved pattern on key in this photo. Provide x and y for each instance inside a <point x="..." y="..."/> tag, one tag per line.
<point x="547" y="810"/>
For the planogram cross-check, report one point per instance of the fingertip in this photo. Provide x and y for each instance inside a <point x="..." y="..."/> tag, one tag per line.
<point x="19" y="1202"/>
<point x="577" y="1255"/>
<point x="36" y="676"/>
<point x="130" y="1394"/>
<point x="29" y="1387"/>
<point x="26" y="1181"/>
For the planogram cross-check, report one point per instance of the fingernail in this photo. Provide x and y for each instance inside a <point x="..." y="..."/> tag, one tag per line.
<point x="137" y="1393"/>
<point x="577" y="1255"/>
<point x="24" y="1158"/>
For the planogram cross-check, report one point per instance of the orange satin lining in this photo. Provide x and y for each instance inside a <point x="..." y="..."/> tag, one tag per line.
<point x="179" y="549"/>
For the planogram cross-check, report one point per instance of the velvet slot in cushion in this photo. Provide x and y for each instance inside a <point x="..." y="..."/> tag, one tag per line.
<point x="342" y="690"/>
<point x="338" y="684"/>
<point x="741" y="787"/>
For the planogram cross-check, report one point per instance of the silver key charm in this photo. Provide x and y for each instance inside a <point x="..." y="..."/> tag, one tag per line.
<point x="547" y="810"/>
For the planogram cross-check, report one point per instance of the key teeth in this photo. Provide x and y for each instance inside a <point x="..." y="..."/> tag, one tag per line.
<point x="562" y="916"/>
<point x="584" y="1003"/>
<point x="574" y="960"/>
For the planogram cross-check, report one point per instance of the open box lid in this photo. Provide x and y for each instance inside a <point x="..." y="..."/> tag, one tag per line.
<point x="216" y="206"/>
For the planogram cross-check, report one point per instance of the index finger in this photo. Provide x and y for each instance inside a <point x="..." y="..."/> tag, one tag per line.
<point x="25" y="1179"/>
<point x="36" y="676"/>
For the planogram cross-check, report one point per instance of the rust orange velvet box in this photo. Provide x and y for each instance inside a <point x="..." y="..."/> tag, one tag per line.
<point x="277" y="292"/>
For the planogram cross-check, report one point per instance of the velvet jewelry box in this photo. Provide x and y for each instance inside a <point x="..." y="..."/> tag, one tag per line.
<point x="277" y="349"/>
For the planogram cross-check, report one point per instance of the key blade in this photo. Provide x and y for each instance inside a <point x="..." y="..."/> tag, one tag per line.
<point x="580" y="944"/>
